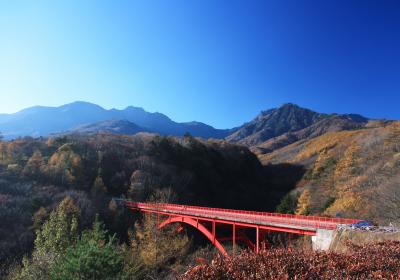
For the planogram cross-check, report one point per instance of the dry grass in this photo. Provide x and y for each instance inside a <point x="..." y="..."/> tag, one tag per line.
<point x="358" y="169"/>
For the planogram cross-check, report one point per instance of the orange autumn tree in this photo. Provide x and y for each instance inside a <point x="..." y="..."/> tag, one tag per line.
<point x="65" y="165"/>
<point x="33" y="167"/>
<point x="303" y="203"/>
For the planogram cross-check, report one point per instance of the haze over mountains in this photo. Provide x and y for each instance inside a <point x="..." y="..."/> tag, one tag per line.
<point x="270" y="130"/>
<point x="43" y="121"/>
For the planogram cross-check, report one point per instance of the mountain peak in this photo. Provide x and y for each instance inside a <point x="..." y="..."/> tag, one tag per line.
<point x="290" y="105"/>
<point x="115" y="126"/>
<point x="286" y="107"/>
<point x="133" y="108"/>
<point x="293" y="107"/>
<point x="274" y="122"/>
<point x="291" y="118"/>
<point x="80" y="105"/>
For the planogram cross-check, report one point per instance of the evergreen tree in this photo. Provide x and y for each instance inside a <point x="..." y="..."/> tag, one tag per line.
<point x="58" y="233"/>
<point x="287" y="204"/>
<point x="93" y="257"/>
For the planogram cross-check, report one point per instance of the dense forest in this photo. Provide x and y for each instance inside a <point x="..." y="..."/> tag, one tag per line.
<point x="52" y="190"/>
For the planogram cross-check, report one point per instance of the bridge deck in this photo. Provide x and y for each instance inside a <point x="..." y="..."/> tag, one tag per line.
<point x="249" y="218"/>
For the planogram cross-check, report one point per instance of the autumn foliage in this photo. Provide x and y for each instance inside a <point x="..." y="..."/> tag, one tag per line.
<point x="350" y="174"/>
<point x="373" y="261"/>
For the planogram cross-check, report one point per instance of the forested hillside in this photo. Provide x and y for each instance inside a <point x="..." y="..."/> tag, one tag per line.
<point x="52" y="188"/>
<point x="350" y="173"/>
<point x="37" y="174"/>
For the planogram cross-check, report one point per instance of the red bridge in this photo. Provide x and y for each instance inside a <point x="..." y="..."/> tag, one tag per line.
<point x="207" y="219"/>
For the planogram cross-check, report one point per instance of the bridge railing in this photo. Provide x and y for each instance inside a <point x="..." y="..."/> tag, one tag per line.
<point x="254" y="216"/>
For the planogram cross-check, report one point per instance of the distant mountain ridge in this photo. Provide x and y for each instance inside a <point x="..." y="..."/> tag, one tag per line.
<point x="110" y="126"/>
<point x="43" y="121"/>
<point x="270" y="130"/>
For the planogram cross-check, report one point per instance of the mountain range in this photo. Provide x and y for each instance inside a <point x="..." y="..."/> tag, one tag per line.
<point x="270" y="130"/>
<point x="43" y="121"/>
<point x="288" y="159"/>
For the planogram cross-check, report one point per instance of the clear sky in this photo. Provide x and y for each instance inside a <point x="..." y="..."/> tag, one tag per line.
<point x="219" y="62"/>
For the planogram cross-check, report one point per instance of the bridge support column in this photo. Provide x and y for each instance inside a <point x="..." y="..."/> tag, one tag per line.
<point x="233" y="239"/>
<point x="213" y="231"/>
<point x="257" y="240"/>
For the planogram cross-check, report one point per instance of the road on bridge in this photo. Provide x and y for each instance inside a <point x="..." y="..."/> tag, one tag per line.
<point x="198" y="217"/>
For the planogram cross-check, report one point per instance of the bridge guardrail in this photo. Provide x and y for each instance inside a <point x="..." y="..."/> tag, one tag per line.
<point x="253" y="216"/>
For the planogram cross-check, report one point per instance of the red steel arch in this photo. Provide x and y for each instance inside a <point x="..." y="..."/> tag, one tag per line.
<point x="197" y="216"/>
<point x="200" y="227"/>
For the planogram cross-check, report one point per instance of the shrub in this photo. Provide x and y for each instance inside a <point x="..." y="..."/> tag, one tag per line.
<point x="371" y="261"/>
<point x="287" y="204"/>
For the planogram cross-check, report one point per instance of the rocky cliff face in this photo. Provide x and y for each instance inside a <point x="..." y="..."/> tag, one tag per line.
<point x="278" y="127"/>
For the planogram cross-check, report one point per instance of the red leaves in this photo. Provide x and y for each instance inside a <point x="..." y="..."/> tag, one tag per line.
<point x="373" y="261"/>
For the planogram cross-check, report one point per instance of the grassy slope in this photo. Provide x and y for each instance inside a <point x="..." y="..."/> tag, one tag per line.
<point x="350" y="173"/>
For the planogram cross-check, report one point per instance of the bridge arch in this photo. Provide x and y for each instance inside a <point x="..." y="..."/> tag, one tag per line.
<point x="200" y="227"/>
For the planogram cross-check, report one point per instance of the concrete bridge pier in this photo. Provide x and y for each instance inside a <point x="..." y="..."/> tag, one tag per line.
<point x="323" y="239"/>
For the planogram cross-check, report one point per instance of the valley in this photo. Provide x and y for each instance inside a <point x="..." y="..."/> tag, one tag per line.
<point x="289" y="160"/>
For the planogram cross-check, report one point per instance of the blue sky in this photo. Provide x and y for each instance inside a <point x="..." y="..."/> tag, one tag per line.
<point x="219" y="62"/>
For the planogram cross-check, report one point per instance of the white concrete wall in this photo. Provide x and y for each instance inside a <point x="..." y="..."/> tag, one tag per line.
<point x="322" y="240"/>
